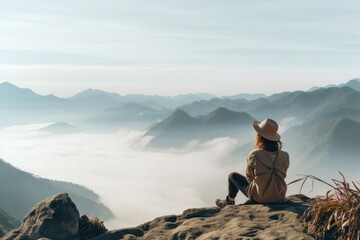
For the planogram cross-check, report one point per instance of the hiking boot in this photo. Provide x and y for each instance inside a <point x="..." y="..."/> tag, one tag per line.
<point x="223" y="203"/>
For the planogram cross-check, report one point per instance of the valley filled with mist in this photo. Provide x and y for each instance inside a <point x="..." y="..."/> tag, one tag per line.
<point x="130" y="158"/>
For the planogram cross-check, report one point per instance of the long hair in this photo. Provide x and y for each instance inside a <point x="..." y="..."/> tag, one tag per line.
<point x="263" y="143"/>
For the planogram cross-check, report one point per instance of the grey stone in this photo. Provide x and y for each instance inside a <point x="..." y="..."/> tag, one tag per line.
<point x="55" y="218"/>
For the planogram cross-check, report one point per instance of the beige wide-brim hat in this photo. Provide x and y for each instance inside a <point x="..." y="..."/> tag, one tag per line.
<point x="267" y="129"/>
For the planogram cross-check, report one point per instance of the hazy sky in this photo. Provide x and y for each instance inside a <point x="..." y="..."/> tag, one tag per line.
<point x="178" y="46"/>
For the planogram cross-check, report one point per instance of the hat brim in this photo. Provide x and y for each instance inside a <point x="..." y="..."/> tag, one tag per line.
<point x="259" y="130"/>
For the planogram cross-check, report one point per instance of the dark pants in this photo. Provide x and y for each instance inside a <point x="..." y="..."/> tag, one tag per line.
<point x="237" y="182"/>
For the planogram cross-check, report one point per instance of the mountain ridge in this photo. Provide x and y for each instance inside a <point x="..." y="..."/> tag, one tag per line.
<point x="280" y="105"/>
<point x="180" y="127"/>
<point x="25" y="190"/>
<point x="7" y="222"/>
<point x="353" y="83"/>
<point x="324" y="141"/>
<point x="61" y="128"/>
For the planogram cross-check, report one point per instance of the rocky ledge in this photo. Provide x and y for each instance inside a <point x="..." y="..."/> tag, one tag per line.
<point x="252" y="221"/>
<point x="57" y="218"/>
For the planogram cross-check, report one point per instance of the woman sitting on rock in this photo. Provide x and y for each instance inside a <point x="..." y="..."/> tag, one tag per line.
<point x="265" y="171"/>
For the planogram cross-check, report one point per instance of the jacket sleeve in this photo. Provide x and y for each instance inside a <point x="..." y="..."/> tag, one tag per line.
<point x="250" y="166"/>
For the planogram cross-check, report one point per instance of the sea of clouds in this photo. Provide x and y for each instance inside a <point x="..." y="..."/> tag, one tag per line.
<point x="136" y="183"/>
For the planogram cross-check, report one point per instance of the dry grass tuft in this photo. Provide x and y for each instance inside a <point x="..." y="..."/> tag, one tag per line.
<point x="91" y="227"/>
<point x="337" y="214"/>
<point x="98" y="224"/>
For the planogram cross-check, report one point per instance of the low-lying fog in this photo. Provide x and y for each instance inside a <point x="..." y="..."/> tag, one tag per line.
<point x="135" y="183"/>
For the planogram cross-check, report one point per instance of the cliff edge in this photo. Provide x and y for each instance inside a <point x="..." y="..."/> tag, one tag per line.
<point x="56" y="218"/>
<point x="252" y="221"/>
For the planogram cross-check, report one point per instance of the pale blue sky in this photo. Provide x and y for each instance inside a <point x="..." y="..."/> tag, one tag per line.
<point x="177" y="46"/>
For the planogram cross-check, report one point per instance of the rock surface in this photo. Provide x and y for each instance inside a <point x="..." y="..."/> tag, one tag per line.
<point x="255" y="221"/>
<point x="54" y="218"/>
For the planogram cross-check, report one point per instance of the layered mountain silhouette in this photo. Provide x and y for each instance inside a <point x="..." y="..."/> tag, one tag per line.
<point x="351" y="113"/>
<point x="223" y="116"/>
<point x="180" y="128"/>
<point x="305" y="105"/>
<point x="23" y="106"/>
<point x="330" y="139"/>
<point x="354" y="84"/>
<point x="96" y="92"/>
<point x="215" y="117"/>
<point x="147" y="100"/>
<point x="21" y="190"/>
<point x="302" y="106"/>
<point x="14" y="97"/>
<point x="288" y="104"/>
<point x="324" y="143"/>
<point x="175" y="131"/>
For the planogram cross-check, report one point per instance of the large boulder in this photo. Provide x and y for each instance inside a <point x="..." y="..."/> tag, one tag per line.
<point x="55" y="218"/>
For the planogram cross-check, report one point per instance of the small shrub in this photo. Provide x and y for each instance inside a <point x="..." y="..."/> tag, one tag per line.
<point x="98" y="225"/>
<point x="337" y="214"/>
<point x="90" y="228"/>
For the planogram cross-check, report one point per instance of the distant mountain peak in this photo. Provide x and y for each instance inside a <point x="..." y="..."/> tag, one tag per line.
<point x="346" y="122"/>
<point x="180" y="112"/>
<point x="7" y="84"/>
<point x="60" y="128"/>
<point x="223" y="115"/>
<point x="10" y="86"/>
<point x="353" y="83"/>
<point x="177" y="120"/>
<point x="180" y="115"/>
<point x="90" y="92"/>
<point x="222" y="110"/>
<point x="355" y="80"/>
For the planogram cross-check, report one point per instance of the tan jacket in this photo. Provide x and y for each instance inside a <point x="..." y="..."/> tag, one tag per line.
<point x="267" y="177"/>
